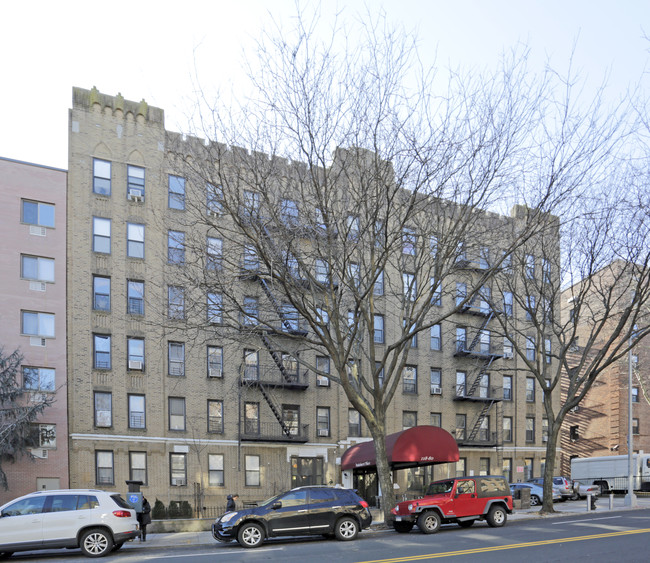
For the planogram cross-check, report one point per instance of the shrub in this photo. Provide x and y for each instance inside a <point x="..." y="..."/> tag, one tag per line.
<point x="158" y="512"/>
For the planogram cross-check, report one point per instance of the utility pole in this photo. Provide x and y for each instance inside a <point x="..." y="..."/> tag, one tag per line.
<point x="630" y="498"/>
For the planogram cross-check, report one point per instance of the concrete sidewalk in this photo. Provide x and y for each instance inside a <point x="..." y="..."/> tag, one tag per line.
<point x="562" y="509"/>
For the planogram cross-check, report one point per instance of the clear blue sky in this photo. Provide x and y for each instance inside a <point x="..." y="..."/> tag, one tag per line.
<point x="149" y="49"/>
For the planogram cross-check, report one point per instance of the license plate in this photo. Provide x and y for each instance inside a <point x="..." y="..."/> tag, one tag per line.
<point x="398" y="518"/>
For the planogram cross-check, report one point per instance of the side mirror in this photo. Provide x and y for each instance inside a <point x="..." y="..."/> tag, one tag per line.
<point x="277" y="504"/>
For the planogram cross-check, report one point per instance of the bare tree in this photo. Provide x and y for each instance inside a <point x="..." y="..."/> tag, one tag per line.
<point x="18" y="412"/>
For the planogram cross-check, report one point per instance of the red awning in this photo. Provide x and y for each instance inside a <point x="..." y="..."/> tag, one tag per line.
<point x="420" y="445"/>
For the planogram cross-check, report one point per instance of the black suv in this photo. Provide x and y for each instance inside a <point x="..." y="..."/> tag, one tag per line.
<point x="302" y="511"/>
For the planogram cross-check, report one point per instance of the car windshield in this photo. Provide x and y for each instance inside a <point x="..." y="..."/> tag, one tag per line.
<point x="440" y="487"/>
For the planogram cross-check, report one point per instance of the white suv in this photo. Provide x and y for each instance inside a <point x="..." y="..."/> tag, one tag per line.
<point x="96" y="521"/>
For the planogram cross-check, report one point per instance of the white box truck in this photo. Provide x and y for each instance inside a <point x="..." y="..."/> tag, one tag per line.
<point x="611" y="472"/>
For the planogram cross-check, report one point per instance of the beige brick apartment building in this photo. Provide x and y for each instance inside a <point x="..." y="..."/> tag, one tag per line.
<point x="191" y="412"/>
<point x="33" y="313"/>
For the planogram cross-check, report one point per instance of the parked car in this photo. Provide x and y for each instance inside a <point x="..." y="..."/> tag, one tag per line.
<point x="327" y="511"/>
<point x="582" y="491"/>
<point x="460" y="500"/>
<point x="536" y="492"/>
<point x="95" y="521"/>
<point x="563" y="485"/>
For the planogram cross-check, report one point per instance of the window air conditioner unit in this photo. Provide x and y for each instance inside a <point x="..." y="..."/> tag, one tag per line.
<point x="37" y="286"/>
<point x="178" y="482"/>
<point x="544" y="438"/>
<point x="135" y="195"/>
<point x="323" y="432"/>
<point x="214" y="372"/>
<point x="37" y="341"/>
<point x="135" y="364"/>
<point x="212" y="213"/>
<point x="436" y="390"/>
<point x="40" y="453"/>
<point x="38" y="231"/>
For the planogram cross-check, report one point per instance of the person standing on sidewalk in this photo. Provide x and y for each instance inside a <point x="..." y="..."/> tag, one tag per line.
<point x="144" y="518"/>
<point x="230" y="505"/>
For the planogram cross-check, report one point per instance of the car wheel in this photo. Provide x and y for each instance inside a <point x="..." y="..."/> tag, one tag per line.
<point x="575" y="496"/>
<point x="466" y="523"/>
<point x="346" y="529"/>
<point x="429" y="522"/>
<point x="117" y="546"/>
<point x="96" y="543"/>
<point x="496" y="517"/>
<point x="534" y="500"/>
<point x="250" y="535"/>
<point x="402" y="527"/>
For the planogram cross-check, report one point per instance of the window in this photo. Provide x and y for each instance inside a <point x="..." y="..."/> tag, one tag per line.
<point x="461" y="255"/>
<point x="410" y="286"/>
<point x="461" y="424"/>
<point x="409" y="240"/>
<point x="461" y="339"/>
<point x="544" y="429"/>
<point x="176" y="192"/>
<point x="103" y="409"/>
<point x="251" y="311"/>
<point x="251" y="203"/>
<point x="289" y="212"/>
<point x="214" y="199"/>
<point x="379" y="329"/>
<point x="252" y="465"/>
<point x="484" y="295"/>
<point x="135" y="297"/>
<point x="176" y="413"/>
<point x="323" y="421"/>
<point x="530" y="429"/>
<point x="506" y="469"/>
<point x="104" y="468"/>
<point x="354" y="275"/>
<point x="178" y="469"/>
<point x="410" y="379"/>
<point x="137" y="417"/>
<point x="508" y="350"/>
<point x="436" y="337"/>
<point x="484" y="385"/>
<point x="215" y="361"/>
<point x="461" y="378"/>
<point x="484" y="466"/>
<point x="353" y="227"/>
<point x="461" y="466"/>
<point x="251" y="365"/>
<point x="436" y="292"/>
<point x="635" y="426"/>
<point x="214" y="256"/>
<point x="215" y="470"/>
<point x="38" y="213"/>
<point x="378" y="288"/>
<point x="409" y="419"/>
<point x="135" y="347"/>
<point x="135" y="240"/>
<point x="435" y="419"/>
<point x="176" y="358"/>
<point x="507" y="387"/>
<point x="102" y="351"/>
<point x="290" y="365"/>
<point x="507" y="429"/>
<point x="530" y="348"/>
<point x="528" y="468"/>
<point x="530" y="307"/>
<point x="635" y="394"/>
<point x="215" y="308"/>
<point x="290" y="318"/>
<point x="435" y="376"/>
<point x="101" y="235"/>
<point x="37" y="324"/>
<point x="507" y="303"/>
<point x="546" y="270"/>
<point x="41" y="436"/>
<point x="176" y="247"/>
<point x="101" y="177"/>
<point x="530" y="267"/>
<point x="484" y="258"/>
<point x="409" y="327"/>
<point x="530" y="389"/>
<point x="506" y="262"/>
<point x="379" y="369"/>
<point x="138" y="467"/>
<point x="39" y="379"/>
<point x="322" y="271"/>
<point x="433" y="245"/>
<point x="485" y="339"/>
<point x="176" y="299"/>
<point x="101" y="293"/>
<point x="322" y="368"/>
<point x="354" y="423"/>
<point x="461" y="293"/>
<point x="251" y="418"/>
<point x="547" y="350"/>
<point x="37" y="268"/>
<point x="215" y="416"/>
<point x="134" y="182"/>
<point x="291" y="419"/>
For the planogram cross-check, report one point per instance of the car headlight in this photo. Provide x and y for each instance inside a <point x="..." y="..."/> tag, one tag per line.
<point x="228" y="517"/>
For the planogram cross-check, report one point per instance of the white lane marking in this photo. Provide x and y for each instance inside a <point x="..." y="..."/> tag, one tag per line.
<point x="586" y="520"/>
<point x="143" y="557"/>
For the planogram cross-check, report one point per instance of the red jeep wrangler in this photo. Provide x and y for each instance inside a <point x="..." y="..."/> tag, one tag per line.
<point x="460" y="500"/>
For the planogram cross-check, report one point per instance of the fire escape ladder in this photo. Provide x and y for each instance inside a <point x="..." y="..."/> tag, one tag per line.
<point x="477" y="336"/>
<point x="274" y="408"/>
<point x="477" y="379"/>
<point x="267" y="289"/>
<point x="479" y="420"/>
<point x="499" y="434"/>
<point x="276" y="358"/>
